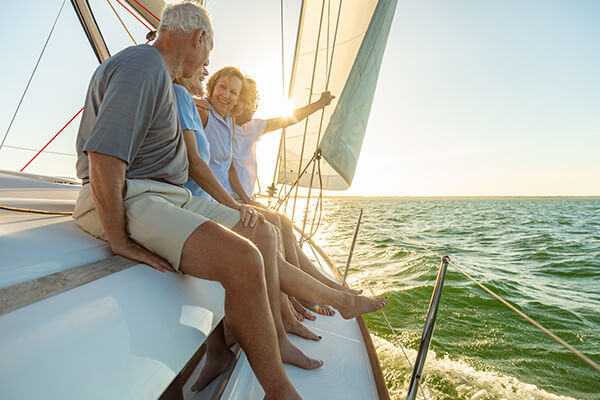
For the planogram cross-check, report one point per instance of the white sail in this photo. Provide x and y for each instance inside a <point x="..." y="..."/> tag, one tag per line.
<point x="150" y="10"/>
<point x="339" y="48"/>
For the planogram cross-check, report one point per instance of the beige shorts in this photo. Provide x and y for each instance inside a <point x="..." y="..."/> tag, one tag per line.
<point x="160" y="216"/>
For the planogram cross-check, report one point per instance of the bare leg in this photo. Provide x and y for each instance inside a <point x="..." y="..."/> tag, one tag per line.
<point x="215" y="253"/>
<point x="295" y="256"/>
<point x="307" y="266"/>
<point x="297" y="283"/>
<point x="264" y="236"/>
<point x="218" y="358"/>
<point x="301" y="260"/>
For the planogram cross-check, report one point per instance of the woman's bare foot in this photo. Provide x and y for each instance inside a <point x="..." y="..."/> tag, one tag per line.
<point x="319" y="308"/>
<point x="215" y="365"/>
<point x="356" y="305"/>
<point x="299" y="317"/>
<point x="291" y="324"/>
<point x="299" y="308"/>
<point x="295" y="327"/>
<point x="290" y="354"/>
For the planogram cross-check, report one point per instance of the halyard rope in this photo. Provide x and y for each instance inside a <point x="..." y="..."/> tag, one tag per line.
<point x="121" y="21"/>
<point x="30" y="210"/>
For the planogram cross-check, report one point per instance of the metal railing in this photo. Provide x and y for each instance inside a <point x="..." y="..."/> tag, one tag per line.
<point x="427" y="330"/>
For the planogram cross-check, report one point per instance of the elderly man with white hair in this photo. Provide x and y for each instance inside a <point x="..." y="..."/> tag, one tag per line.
<point x="132" y="161"/>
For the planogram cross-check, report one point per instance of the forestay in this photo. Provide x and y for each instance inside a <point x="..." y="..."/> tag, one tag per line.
<point x="339" y="48"/>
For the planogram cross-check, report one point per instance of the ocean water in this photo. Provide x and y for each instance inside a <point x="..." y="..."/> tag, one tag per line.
<point x="542" y="255"/>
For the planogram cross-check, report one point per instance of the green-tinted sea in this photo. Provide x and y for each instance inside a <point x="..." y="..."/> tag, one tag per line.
<point x="542" y="255"/>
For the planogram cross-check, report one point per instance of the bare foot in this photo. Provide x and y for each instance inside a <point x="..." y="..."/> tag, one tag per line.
<point x="319" y="308"/>
<point x="215" y="365"/>
<point x="299" y="308"/>
<point x="356" y="305"/>
<point x="298" y="329"/>
<point x="299" y="317"/>
<point x="290" y="354"/>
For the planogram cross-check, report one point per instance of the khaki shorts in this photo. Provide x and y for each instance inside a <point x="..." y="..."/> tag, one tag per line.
<point x="160" y="216"/>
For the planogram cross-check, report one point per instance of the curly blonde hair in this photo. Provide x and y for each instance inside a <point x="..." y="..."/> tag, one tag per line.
<point x="249" y="95"/>
<point x="225" y="72"/>
<point x="193" y="84"/>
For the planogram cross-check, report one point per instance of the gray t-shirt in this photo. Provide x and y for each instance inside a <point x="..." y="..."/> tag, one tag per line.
<point x="131" y="113"/>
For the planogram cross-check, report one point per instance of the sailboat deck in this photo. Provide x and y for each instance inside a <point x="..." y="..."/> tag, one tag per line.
<point x="129" y="334"/>
<point x="124" y="336"/>
<point x="346" y="372"/>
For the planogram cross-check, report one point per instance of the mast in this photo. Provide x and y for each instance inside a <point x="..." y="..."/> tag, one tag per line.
<point x="90" y="27"/>
<point x="150" y="10"/>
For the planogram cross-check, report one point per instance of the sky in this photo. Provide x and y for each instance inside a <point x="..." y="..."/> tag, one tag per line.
<point x="474" y="97"/>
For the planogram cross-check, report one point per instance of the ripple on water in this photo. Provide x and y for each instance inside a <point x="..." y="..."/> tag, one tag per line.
<point x="541" y="254"/>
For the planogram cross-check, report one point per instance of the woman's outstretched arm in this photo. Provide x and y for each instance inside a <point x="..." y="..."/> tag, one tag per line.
<point x="299" y="114"/>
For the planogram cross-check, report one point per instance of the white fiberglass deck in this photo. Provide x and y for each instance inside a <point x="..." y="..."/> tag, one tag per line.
<point x="127" y="335"/>
<point x="124" y="336"/>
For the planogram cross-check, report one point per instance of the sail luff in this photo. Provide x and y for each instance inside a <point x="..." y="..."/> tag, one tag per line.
<point x="356" y="19"/>
<point x="345" y="134"/>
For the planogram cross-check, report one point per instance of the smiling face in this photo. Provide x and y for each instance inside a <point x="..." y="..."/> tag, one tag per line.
<point x="225" y="94"/>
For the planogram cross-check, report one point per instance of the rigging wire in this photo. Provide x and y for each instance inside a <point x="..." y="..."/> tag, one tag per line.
<point x="287" y="195"/>
<point x="282" y="141"/>
<point x="121" y="21"/>
<point x="328" y="67"/>
<point x="50" y="141"/>
<point x="148" y="11"/>
<point x="312" y="82"/>
<point x="32" y="74"/>
<point x="135" y="16"/>
<point x="81" y="109"/>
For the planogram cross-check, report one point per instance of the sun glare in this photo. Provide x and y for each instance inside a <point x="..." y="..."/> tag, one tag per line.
<point x="287" y="108"/>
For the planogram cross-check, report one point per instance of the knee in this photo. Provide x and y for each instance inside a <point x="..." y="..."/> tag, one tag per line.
<point x="285" y="222"/>
<point x="266" y="232"/>
<point x="250" y="267"/>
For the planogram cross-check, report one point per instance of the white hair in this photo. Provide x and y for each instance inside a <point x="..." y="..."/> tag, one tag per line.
<point x="185" y="17"/>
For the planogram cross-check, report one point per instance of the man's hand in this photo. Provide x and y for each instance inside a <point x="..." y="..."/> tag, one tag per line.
<point x="325" y="99"/>
<point x="131" y="249"/>
<point x="201" y="104"/>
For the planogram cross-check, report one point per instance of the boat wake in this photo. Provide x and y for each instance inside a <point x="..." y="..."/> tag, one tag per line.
<point x="446" y="378"/>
